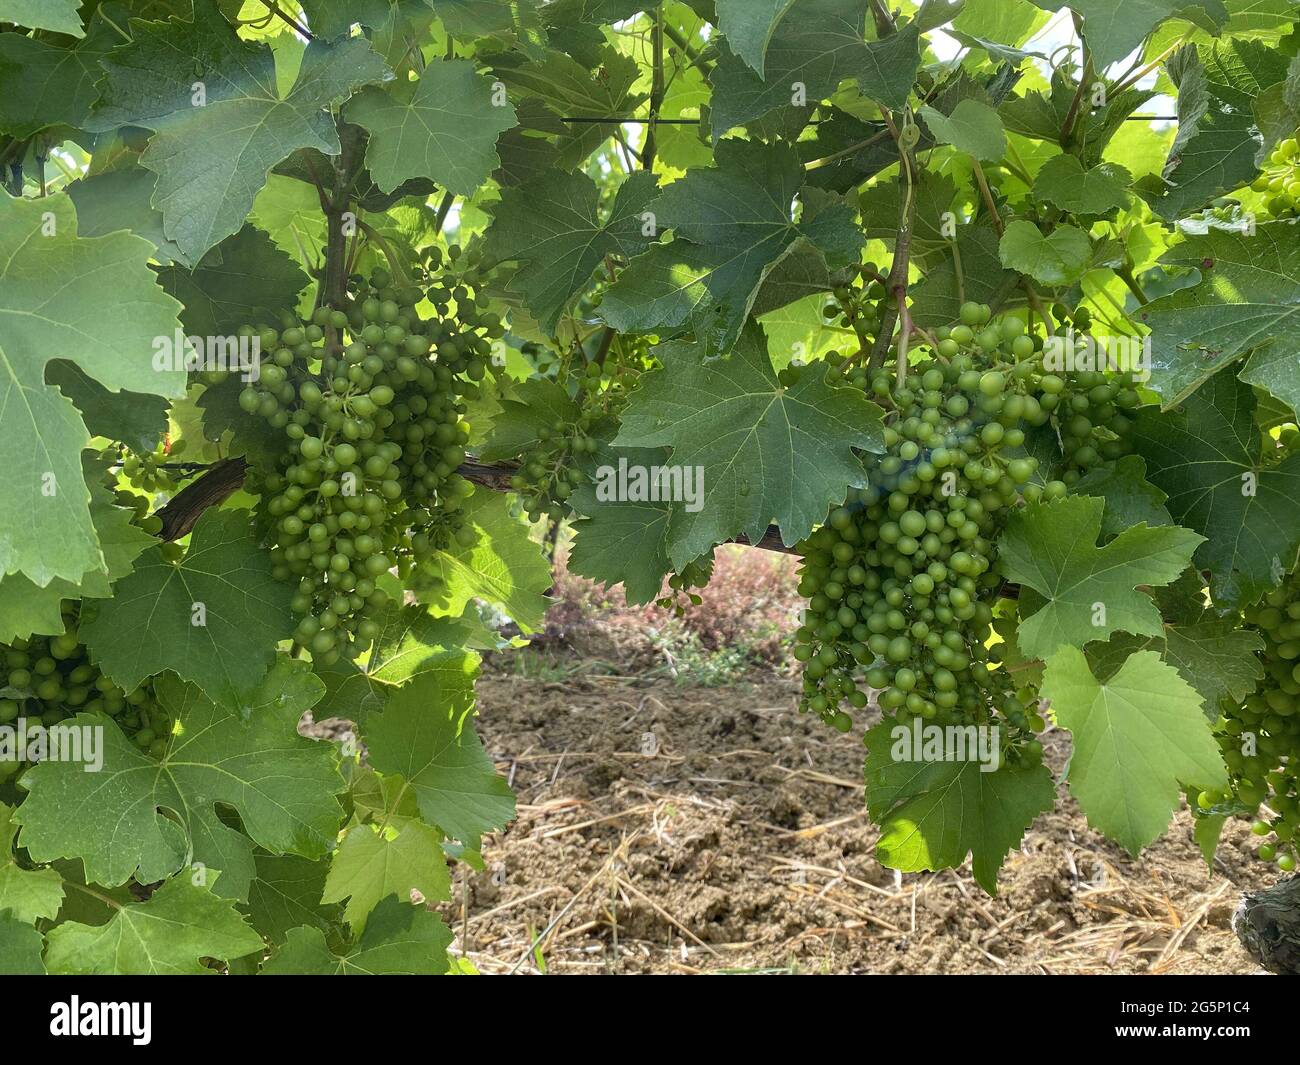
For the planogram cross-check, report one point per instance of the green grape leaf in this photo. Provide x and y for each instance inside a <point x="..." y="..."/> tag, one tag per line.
<point x="47" y="86"/>
<point x="62" y="296"/>
<point x="1130" y="498"/>
<point x="443" y="127"/>
<point x="21" y="947"/>
<point x="1247" y="302"/>
<point x="552" y="227"/>
<point x="1206" y="456"/>
<point x="28" y="895"/>
<point x="399" y="939"/>
<point x="426" y="734"/>
<point x="332" y="18"/>
<point x="1113" y="28"/>
<point x="411" y="642"/>
<point x="133" y="418"/>
<point x="121" y="199"/>
<point x="128" y="818"/>
<point x="211" y="160"/>
<point x="244" y="280"/>
<point x="57" y="16"/>
<point x="732" y="224"/>
<point x="748" y="26"/>
<point x="932" y="814"/>
<point x="398" y="858"/>
<point x="285" y="894"/>
<point x="759" y="451"/>
<point x="971" y="270"/>
<point x="167" y="935"/>
<point x="1056" y="258"/>
<point x="622" y="540"/>
<point x="973" y="128"/>
<point x="214" y="618"/>
<point x="1215" y="657"/>
<point x="1137" y="737"/>
<point x="1089" y="591"/>
<point x="504" y="565"/>
<point x="532" y="406"/>
<point x="1218" y="137"/>
<point x="1064" y="182"/>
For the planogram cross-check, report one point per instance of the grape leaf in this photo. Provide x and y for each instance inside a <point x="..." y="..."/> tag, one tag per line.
<point x="214" y="618"/>
<point x="58" y="16"/>
<point x="1113" y="28"/>
<point x="212" y="159"/>
<point x="552" y="227"/>
<point x="21" y="947"/>
<point x="531" y="407"/>
<point x="1215" y="657"/>
<point x="285" y="894"/>
<point x="1130" y="498"/>
<point x="1137" y="737"/>
<point x="1218" y="138"/>
<point x="426" y="734"/>
<point x="62" y="296"/>
<point x="167" y="935"/>
<point x="127" y="819"/>
<point x="973" y="128"/>
<point x="766" y="452"/>
<point x="133" y="418"/>
<point x="121" y="199"/>
<point x="244" y="280"/>
<point x="972" y="270"/>
<point x="504" y="566"/>
<point x="932" y="814"/>
<point x="732" y="223"/>
<point x="1089" y="591"/>
<point x="1064" y="182"/>
<point x="44" y="85"/>
<point x="1055" y="258"/>
<point x="26" y="894"/>
<point x="1206" y="456"/>
<point x="748" y="26"/>
<point x="1247" y="302"/>
<point x="398" y="858"/>
<point x="443" y="127"/>
<point x="399" y="939"/>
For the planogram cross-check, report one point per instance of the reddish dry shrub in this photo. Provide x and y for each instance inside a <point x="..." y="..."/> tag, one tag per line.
<point x="750" y="606"/>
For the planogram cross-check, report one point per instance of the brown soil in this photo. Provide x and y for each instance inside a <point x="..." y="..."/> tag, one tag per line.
<point x="739" y="842"/>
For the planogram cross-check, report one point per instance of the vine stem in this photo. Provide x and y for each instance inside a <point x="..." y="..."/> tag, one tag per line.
<point x="896" y="283"/>
<point x="1126" y="275"/>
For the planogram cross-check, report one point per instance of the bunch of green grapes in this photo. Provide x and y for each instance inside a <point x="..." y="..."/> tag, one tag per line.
<point x="371" y="404"/>
<point x="550" y="470"/>
<point x="902" y="578"/>
<point x="1261" y="738"/>
<point x="1280" y="180"/>
<point x="857" y="303"/>
<point x="50" y="678"/>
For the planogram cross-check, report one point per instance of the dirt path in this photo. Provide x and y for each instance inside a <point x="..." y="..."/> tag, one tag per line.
<point x="665" y="828"/>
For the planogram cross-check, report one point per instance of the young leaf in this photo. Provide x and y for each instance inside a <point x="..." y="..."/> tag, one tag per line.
<point x="1064" y="182"/>
<point x="397" y="858"/>
<point x="399" y="939"/>
<point x="932" y="814"/>
<point x="1088" y="591"/>
<point x="973" y="128"/>
<point x="139" y="816"/>
<point x="1055" y="258"/>
<point x="1206" y="456"/>
<point x="426" y="735"/>
<point x="766" y="452"/>
<point x="167" y="936"/>
<point x="443" y="127"/>
<point x="1137" y="737"/>
<point x="93" y="301"/>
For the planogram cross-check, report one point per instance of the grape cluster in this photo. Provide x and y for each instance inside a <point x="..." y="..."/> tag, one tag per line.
<point x="371" y="401"/>
<point x="1261" y="738"/>
<point x="549" y="471"/>
<point x="1280" y="180"/>
<point x="857" y="303"/>
<point x="50" y="678"/>
<point x="146" y="471"/>
<point x="902" y="579"/>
